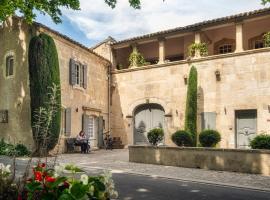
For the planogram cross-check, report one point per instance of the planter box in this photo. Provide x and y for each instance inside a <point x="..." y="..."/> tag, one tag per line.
<point x="234" y="160"/>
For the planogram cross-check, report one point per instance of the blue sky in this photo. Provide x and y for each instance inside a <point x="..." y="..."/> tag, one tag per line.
<point x="96" y="21"/>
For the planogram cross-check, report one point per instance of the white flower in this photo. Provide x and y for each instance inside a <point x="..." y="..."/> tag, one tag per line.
<point x="5" y="170"/>
<point x="58" y="170"/>
<point x="84" y="179"/>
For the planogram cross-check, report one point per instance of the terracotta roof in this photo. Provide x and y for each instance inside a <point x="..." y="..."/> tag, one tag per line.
<point x="197" y="26"/>
<point x="104" y="41"/>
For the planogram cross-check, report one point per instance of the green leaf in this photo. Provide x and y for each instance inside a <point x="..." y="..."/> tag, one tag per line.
<point x="33" y="186"/>
<point x="65" y="197"/>
<point x="78" y="190"/>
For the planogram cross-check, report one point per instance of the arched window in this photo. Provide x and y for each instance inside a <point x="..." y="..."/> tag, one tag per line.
<point x="224" y="46"/>
<point x="9" y="66"/>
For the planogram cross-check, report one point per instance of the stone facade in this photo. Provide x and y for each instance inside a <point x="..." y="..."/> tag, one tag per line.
<point x="15" y="93"/>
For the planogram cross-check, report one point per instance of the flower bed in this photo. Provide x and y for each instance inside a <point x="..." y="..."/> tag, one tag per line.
<point x="60" y="183"/>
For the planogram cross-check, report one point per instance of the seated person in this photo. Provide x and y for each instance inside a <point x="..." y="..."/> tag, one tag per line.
<point x="82" y="141"/>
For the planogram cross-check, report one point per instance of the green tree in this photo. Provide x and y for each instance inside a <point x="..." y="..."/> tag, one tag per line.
<point x="44" y="75"/>
<point x="50" y="7"/>
<point x="191" y="105"/>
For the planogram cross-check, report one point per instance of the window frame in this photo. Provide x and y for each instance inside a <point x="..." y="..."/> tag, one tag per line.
<point x="10" y="55"/>
<point x="225" y="48"/>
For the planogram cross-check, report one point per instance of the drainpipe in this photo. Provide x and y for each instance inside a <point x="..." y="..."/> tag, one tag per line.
<point x="109" y="90"/>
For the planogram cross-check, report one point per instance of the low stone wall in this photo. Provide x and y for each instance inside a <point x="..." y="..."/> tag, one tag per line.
<point x="234" y="160"/>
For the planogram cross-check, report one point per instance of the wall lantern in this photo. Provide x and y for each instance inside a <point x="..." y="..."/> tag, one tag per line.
<point x="218" y="76"/>
<point x="185" y="79"/>
<point x="269" y="108"/>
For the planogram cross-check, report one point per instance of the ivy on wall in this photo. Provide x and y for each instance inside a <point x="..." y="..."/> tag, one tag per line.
<point x="191" y="104"/>
<point x="44" y="74"/>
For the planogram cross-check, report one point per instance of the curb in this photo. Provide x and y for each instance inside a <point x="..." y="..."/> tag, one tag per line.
<point x="219" y="184"/>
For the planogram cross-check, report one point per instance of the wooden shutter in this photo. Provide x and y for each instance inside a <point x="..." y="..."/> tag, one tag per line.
<point x="100" y="132"/>
<point x="68" y="121"/>
<point x="84" y="76"/>
<point x="72" y="72"/>
<point x="85" y="125"/>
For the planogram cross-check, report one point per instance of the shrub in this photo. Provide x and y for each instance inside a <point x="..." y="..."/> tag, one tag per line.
<point x="21" y="150"/>
<point x="261" y="142"/>
<point x="201" y="47"/>
<point x="266" y="38"/>
<point x="11" y="150"/>
<point x="191" y="105"/>
<point x="209" y="138"/>
<point x="182" y="138"/>
<point x="155" y="136"/>
<point x="44" y="74"/>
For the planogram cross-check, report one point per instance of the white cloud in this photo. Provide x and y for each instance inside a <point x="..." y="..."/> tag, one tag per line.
<point x="97" y="21"/>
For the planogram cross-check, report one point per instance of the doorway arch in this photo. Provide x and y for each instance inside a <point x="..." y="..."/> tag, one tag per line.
<point x="147" y="117"/>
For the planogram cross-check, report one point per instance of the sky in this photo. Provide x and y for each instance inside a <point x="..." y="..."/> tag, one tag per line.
<point x="96" y="21"/>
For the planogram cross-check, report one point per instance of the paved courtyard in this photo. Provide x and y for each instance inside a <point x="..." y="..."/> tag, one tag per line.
<point x="117" y="162"/>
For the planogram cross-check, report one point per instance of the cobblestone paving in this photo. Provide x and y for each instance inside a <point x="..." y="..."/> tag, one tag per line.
<point x="117" y="162"/>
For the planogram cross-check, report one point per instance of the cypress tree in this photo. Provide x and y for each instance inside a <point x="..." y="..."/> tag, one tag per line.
<point x="44" y="72"/>
<point x="191" y="105"/>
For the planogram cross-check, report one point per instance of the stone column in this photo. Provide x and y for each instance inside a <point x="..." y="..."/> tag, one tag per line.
<point x="239" y="38"/>
<point x="197" y="41"/>
<point x="162" y="54"/>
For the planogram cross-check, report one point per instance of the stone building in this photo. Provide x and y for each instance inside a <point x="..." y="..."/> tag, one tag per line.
<point x="233" y="80"/>
<point x="127" y="101"/>
<point x="84" y="106"/>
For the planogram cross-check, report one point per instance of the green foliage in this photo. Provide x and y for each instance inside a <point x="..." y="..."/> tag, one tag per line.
<point x="44" y="90"/>
<point x="52" y="8"/>
<point x="182" y="138"/>
<point x="209" y="138"/>
<point x="73" y="168"/>
<point x="200" y="47"/>
<point x="155" y="136"/>
<point x="260" y="142"/>
<point x="264" y="2"/>
<point x="136" y="59"/>
<point x="11" y="150"/>
<point x="191" y="105"/>
<point x="28" y="8"/>
<point x="266" y="39"/>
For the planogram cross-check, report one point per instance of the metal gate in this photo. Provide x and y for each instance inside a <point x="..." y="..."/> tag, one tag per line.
<point x="147" y="117"/>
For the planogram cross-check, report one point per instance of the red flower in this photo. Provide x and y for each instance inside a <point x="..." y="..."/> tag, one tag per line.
<point x="38" y="176"/>
<point x="43" y="165"/>
<point x="66" y="184"/>
<point x="49" y="179"/>
<point x="19" y="197"/>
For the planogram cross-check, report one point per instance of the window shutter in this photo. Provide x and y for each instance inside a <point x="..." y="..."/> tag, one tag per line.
<point x="72" y="72"/>
<point x="100" y="132"/>
<point x="209" y="120"/>
<point x="85" y="125"/>
<point x="84" y="76"/>
<point x="68" y="121"/>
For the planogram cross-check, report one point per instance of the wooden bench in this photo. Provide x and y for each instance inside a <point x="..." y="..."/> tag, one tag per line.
<point x="71" y="145"/>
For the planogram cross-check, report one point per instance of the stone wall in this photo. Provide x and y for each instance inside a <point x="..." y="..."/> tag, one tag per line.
<point x="244" y="161"/>
<point x="14" y="90"/>
<point x="15" y="94"/>
<point x="244" y="84"/>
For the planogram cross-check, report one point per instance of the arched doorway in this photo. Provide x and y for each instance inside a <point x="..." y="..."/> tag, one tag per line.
<point x="147" y="117"/>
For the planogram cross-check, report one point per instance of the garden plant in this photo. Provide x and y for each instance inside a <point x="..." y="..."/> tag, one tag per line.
<point x="209" y="138"/>
<point x="260" y="142"/>
<point x="182" y="138"/>
<point x="155" y="136"/>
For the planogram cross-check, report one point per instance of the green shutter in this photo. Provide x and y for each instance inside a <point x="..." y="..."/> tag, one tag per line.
<point x="84" y="76"/>
<point x="72" y="72"/>
<point x="68" y="122"/>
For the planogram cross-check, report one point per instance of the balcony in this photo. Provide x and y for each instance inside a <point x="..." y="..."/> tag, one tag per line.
<point x="230" y="39"/>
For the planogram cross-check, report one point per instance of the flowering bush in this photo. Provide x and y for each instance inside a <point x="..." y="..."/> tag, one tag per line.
<point x="8" y="190"/>
<point x="50" y="184"/>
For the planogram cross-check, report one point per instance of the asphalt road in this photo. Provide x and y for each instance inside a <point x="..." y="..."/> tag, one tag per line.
<point x="135" y="187"/>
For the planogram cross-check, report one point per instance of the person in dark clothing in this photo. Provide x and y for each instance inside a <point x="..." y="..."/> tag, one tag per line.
<point x="82" y="141"/>
<point x="108" y="142"/>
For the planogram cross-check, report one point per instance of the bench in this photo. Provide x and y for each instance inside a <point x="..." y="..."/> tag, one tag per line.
<point x="71" y="145"/>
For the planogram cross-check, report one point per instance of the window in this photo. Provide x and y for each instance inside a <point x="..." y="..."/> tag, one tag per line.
<point x="91" y="127"/>
<point x="258" y="44"/>
<point x="3" y="116"/>
<point x="9" y="66"/>
<point x="78" y="74"/>
<point x="226" y="48"/>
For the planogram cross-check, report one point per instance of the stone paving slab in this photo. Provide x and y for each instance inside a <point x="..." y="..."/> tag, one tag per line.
<point x="117" y="162"/>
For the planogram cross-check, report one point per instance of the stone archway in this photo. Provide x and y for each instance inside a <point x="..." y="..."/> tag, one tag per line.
<point x="147" y="117"/>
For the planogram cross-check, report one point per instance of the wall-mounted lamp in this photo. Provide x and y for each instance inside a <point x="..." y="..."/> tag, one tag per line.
<point x="269" y="108"/>
<point x="218" y="76"/>
<point x="77" y="110"/>
<point x="225" y="110"/>
<point x="185" y="79"/>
